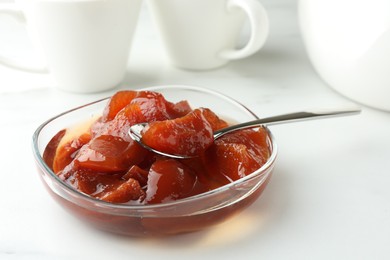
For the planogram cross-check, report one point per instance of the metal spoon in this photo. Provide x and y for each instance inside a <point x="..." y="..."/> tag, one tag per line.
<point x="135" y="131"/>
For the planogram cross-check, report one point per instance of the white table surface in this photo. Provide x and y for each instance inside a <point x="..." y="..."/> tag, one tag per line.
<point x="329" y="197"/>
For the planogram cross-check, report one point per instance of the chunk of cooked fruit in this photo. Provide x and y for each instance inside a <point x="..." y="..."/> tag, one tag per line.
<point x="169" y="180"/>
<point x="215" y="122"/>
<point x="138" y="174"/>
<point x="107" y="153"/>
<point x="147" y="106"/>
<point x="236" y="155"/>
<point x="118" y="101"/>
<point x="144" y="106"/>
<point x="189" y="135"/>
<point x="110" y="188"/>
<point x="179" y="109"/>
<point x="67" y="152"/>
<point x="127" y="191"/>
<point x="254" y="140"/>
<point x="131" y="113"/>
<point x="88" y="181"/>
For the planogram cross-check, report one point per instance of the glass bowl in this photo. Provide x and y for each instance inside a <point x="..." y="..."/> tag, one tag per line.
<point x="184" y="215"/>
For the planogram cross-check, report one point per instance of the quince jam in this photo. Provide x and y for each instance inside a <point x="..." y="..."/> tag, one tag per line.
<point x="102" y="160"/>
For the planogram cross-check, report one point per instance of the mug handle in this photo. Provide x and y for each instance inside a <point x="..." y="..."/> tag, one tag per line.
<point x="16" y="13"/>
<point x="259" y="23"/>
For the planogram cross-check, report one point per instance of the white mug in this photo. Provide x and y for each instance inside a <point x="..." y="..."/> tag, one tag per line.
<point x="348" y="43"/>
<point x="85" y="43"/>
<point x="203" y="34"/>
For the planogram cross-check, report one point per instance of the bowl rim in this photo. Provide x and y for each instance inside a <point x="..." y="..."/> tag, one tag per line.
<point x="142" y="207"/>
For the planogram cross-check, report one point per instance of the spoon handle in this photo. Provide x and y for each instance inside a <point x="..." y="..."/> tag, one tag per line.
<point x="292" y="117"/>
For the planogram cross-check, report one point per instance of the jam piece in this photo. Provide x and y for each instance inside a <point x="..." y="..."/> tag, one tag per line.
<point x="169" y="180"/>
<point x="110" y="188"/>
<point x="236" y="155"/>
<point x="215" y="122"/>
<point x="107" y="153"/>
<point x="138" y="174"/>
<point x="117" y="127"/>
<point x="127" y="191"/>
<point x="88" y="181"/>
<point x="118" y="101"/>
<point x="254" y="140"/>
<point x="189" y="135"/>
<point x="129" y="107"/>
<point x="179" y="109"/>
<point x="68" y="151"/>
<point x="147" y="106"/>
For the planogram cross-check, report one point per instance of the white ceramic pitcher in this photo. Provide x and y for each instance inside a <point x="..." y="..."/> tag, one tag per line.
<point x="348" y="43"/>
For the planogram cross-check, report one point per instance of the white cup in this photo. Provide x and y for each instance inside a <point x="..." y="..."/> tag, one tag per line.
<point x="348" y="43"/>
<point x="203" y="34"/>
<point x="85" y="43"/>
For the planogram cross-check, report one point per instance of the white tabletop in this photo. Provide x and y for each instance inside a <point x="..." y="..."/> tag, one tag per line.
<point x="329" y="197"/>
